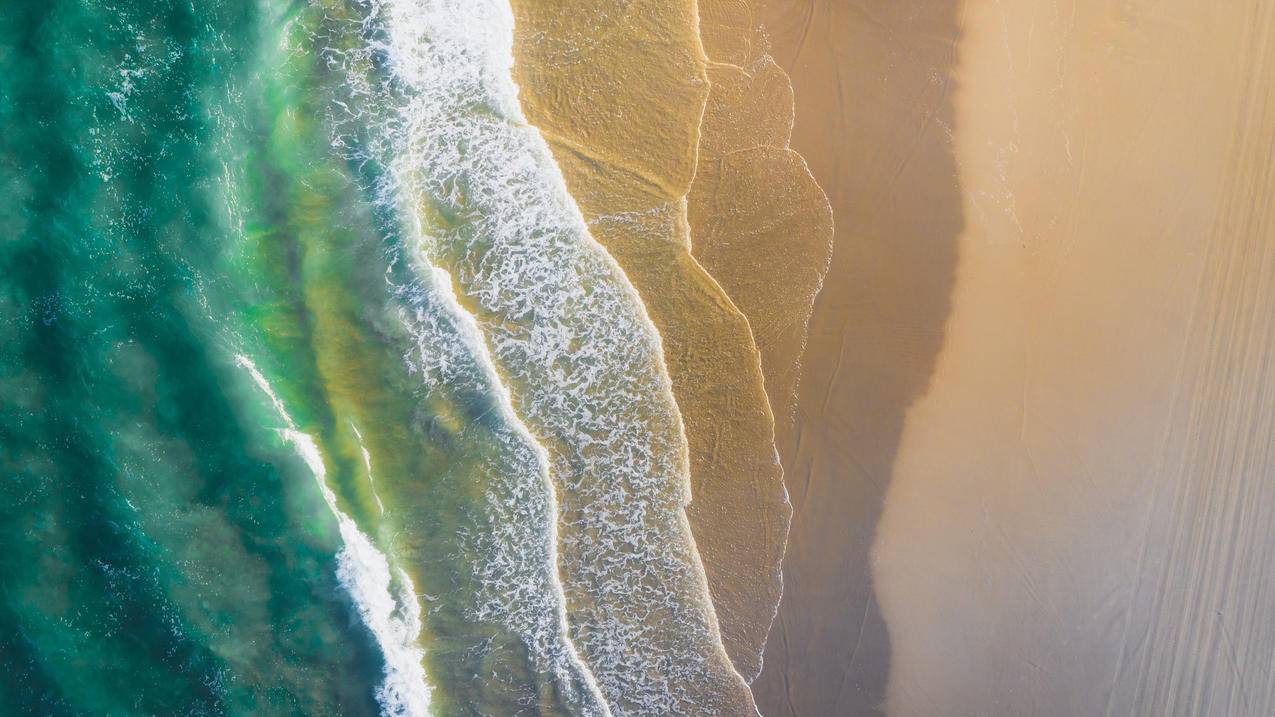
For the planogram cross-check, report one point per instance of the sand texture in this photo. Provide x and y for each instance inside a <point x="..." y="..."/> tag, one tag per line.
<point x="1082" y="503"/>
<point x="1047" y="338"/>
<point x="872" y="83"/>
<point x="618" y="91"/>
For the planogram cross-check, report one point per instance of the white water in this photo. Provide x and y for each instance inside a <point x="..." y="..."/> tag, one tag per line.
<point x="568" y="333"/>
<point x="521" y="588"/>
<point x="394" y="620"/>
<point x="367" y="465"/>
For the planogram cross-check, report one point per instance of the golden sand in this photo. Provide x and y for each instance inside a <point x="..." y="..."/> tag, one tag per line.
<point x="1082" y="505"/>
<point x="1078" y="518"/>
<point x="618" y="92"/>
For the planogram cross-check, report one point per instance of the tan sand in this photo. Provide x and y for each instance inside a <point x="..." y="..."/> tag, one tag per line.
<point x="872" y="82"/>
<point x="760" y="223"/>
<point x="618" y="90"/>
<point x="1080" y="520"/>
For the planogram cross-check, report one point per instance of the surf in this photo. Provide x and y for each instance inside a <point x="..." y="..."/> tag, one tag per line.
<point x="393" y="616"/>
<point x="478" y="196"/>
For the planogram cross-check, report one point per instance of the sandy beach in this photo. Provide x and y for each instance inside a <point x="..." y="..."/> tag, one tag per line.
<point x="1080" y="507"/>
<point x="873" y="87"/>
<point x="1041" y="358"/>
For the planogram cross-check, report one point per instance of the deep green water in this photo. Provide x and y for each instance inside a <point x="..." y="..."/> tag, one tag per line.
<point x="163" y="550"/>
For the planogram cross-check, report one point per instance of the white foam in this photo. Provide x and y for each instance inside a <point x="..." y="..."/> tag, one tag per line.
<point x="516" y="532"/>
<point x="367" y="465"/>
<point x="569" y="335"/>
<point x="521" y="588"/>
<point x="364" y="572"/>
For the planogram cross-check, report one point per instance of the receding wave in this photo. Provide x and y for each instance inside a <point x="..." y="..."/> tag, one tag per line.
<point x="587" y="71"/>
<point x="478" y="189"/>
<point x="517" y="541"/>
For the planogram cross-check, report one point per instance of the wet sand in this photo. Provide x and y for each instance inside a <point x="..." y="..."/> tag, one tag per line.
<point x="618" y="91"/>
<point x="760" y="223"/>
<point x="1080" y="516"/>
<point x="872" y="83"/>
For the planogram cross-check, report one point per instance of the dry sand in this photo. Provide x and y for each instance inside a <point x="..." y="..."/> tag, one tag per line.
<point x="618" y="90"/>
<point x="1079" y="507"/>
<point x="1080" y="519"/>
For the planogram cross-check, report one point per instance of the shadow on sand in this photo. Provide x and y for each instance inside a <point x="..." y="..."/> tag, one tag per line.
<point x="874" y="86"/>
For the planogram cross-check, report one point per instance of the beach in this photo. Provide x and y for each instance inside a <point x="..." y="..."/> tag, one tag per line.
<point x="588" y="358"/>
<point x="873" y="87"/>
<point x="1087" y="482"/>
<point x="1035" y="468"/>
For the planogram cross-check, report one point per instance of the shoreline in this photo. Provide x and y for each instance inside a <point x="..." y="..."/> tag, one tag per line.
<point x="881" y="150"/>
<point x="760" y="223"/>
<point x="629" y="159"/>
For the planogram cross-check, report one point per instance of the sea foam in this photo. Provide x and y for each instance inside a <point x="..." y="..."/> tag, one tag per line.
<point x="386" y="602"/>
<point x="479" y="195"/>
<point x="517" y="541"/>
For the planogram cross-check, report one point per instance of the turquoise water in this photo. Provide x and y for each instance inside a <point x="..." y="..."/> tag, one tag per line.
<point x="317" y="398"/>
<point x="163" y="551"/>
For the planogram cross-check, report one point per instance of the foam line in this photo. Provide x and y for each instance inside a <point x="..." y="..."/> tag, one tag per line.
<point x="393" y="619"/>
<point x="522" y="587"/>
<point x="478" y="194"/>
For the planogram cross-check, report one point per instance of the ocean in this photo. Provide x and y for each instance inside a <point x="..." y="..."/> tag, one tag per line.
<point x="317" y="395"/>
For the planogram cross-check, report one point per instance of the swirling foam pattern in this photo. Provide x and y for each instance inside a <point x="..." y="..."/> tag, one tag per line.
<point x="317" y="396"/>
<point x="583" y="363"/>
